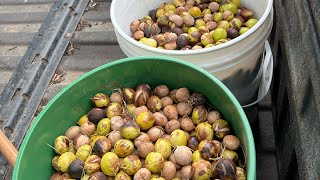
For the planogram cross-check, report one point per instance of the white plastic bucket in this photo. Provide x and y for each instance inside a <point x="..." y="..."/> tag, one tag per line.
<point x="237" y="63"/>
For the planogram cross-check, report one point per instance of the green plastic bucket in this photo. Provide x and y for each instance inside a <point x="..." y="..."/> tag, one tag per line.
<point x="64" y="110"/>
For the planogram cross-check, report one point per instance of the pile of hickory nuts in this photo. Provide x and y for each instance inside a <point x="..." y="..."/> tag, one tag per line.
<point x="149" y="134"/>
<point x="193" y="24"/>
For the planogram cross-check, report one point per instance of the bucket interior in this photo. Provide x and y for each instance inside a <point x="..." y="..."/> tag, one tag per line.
<point x="64" y="110"/>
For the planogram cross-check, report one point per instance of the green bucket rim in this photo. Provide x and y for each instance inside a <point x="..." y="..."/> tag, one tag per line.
<point x="251" y="174"/>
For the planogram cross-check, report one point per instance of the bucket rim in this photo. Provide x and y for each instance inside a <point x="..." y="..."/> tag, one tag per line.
<point x="248" y="131"/>
<point x="191" y="52"/>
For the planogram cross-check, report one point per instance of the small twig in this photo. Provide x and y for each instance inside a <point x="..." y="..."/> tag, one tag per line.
<point x="54" y="149"/>
<point x="12" y="48"/>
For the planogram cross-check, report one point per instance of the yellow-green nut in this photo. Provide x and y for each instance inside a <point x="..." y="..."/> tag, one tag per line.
<point x="218" y="16"/>
<point x="195" y="12"/>
<point x="130" y="130"/>
<point x="196" y="156"/>
<point x="223" y="24"/>
<point x="145" y="120"/>
<point x="160" y="12"/>
<point x="155" y="176"/>
<point x="178" y="138"/>
<point x="123" y="147"/>
<point x="185" y="28"/>
<point x="199" y="23"/>
<point x="231" y="7"/>
<point x="83" y="152"/>
<point x="131" y="164"/>
<point x="131" y="108"/>
<point x="232" y="155"/>
<point x="100" y="100"/>
<point x="163" y="147"/>
<point x="204" y="131"/>
<point x="200" y="113"/>
<point x="236" y="2"/>
<point x="122" y="176"/>
<point x="83" y="120"/>
<point x="241" y="174"/>
<point x="205" y="11"/>
<point x="235" y="23"/>
<point x="251" y="22"/>
<point x="221" y="41"/>
<point x="142" y="40"/>
<point x="61" y="144"/>
<point x="206" y="39"/>
<point x="65" y="160"/>
<point x="158" y="178"/>
<point x="168" y="7"/>
<point x="104" y="126"/>
<point x="92" y="164"/>
<point x="221" y="128"/>
<point x="221" y="8"/>
<point x="243" y="30"/>
<point x="192" y="29"/>
<point x="110" y="164"/>
<point x="179" y="3"/>
<point x="54" y="163"/>
<point x="209" y="46"/>
<point x="154" y="162"/>
<point x="201" y="170"/>
<point x="150" y="42"/>
<point x="163" y="21"/>
<point x="218" y="34"/>
<point x="114" y="109"/>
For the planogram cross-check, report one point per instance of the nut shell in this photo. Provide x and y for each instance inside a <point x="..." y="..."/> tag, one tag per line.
<point x="183" y="155"/>
<point x="171" y="112"/>
<point x="154" y="162"/>
<point x="131" y="164"/>
<point x="72" y="132"/>
<point x="160" y="119"/>
<point x="96" y="114"/>
<point x="110" y="164"/>
<point x="142" y="174"/>
<point x="168" y="170"/>
<point x="92" y="164"/>
<point x="172" y="125"/>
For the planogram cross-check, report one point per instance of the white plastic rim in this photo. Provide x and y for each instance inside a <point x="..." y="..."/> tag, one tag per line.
<point x="267" y="72"/>
<point x="199" y="51"/>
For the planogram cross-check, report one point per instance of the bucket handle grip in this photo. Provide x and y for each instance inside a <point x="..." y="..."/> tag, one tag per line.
<point x="7" y="149"/>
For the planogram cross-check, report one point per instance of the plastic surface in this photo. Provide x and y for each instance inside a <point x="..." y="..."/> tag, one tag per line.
<point x="236" y="63"/>
<point x="34" y="158"/>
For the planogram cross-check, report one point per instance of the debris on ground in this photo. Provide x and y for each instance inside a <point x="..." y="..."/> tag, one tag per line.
<point x="82" y="24"/>
<point x="71" y="49"/>
<point x="58" y="77"/>
<point x="92" y="6"/>
<point x="41" y="106"/>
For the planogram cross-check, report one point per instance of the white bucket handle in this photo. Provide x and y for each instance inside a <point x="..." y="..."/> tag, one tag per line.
<point x="267" y="71"/>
